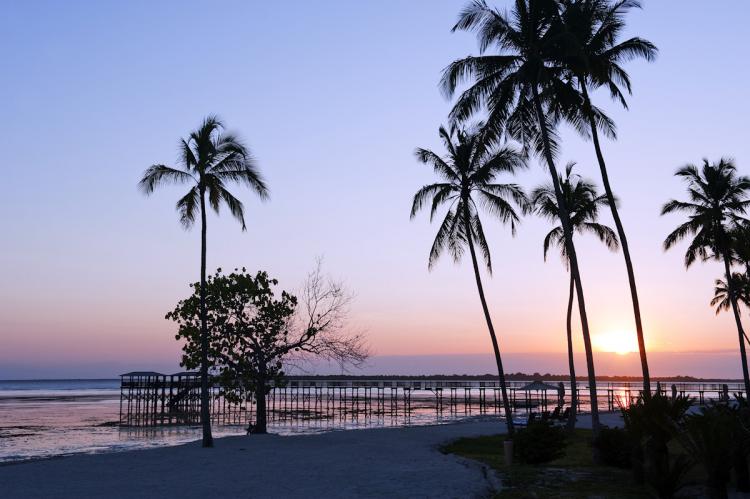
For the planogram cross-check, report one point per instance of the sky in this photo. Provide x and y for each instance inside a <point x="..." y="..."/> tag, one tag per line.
<point x="332" y="98"/>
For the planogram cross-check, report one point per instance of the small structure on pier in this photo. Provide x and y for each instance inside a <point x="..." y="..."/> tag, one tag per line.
<point x="148" y="398"/>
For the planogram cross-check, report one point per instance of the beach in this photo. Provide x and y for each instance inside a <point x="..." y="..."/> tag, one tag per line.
<point x="383" y="462"/>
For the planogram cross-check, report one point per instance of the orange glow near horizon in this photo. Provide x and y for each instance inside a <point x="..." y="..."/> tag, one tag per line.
<point x="619" y="342"/>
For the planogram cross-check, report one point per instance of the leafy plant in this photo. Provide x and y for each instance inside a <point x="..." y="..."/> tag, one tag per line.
<point x="707" y="437"/>
<point x="652" y="422"/>
<point x="540" y="442"/>
<point x="615" y="447"/>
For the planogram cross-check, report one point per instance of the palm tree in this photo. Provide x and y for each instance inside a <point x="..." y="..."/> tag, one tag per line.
<point x="515" y="87"/>
<point x="741" y="284"/>
<point x="468" y="173"/>
<point x="590" y="48"/>
<point x="718" y="199"/>
<point x="583" y="203"/>
<point x="208" y="159"/>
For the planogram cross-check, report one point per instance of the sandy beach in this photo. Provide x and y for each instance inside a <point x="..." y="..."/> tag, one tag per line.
<point x="386" y="462"/>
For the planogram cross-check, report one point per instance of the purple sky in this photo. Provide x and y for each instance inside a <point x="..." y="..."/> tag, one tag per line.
<point x="332" y="98"/>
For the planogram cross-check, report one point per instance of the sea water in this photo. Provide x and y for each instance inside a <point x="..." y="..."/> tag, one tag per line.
<point x="45" y="418"/>
<point x="48" y="418"/>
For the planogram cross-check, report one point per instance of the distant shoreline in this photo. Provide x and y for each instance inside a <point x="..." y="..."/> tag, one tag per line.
<point x="519" y="376"/>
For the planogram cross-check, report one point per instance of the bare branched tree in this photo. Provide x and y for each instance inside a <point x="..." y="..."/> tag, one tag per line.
<point x="255" y="334"/>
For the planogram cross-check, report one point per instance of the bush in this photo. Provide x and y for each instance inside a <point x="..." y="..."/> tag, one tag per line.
<point x="538" y="443"/>
<point x="615" y="447"/>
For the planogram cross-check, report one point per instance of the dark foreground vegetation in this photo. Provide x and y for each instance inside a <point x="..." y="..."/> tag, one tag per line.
<point x="572" y="475"/>
<point x="667" y="449"/>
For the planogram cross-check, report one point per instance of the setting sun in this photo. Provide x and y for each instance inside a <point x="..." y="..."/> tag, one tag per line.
<point x="619" y="342"/>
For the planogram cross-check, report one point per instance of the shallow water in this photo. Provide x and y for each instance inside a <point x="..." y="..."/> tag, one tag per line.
<point x="40" y="419"/>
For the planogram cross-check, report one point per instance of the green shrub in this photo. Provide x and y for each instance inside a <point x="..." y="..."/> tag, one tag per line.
<point x="615" y="447"/>
<point x="540" y="442"/>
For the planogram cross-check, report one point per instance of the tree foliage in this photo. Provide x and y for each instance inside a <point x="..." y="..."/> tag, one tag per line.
<point x="255" y="330"/>
<point x="583" y="203"/>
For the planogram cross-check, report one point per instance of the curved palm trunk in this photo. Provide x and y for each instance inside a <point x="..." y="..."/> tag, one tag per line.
<point x="495" y="346"/>
<point x="623" y="242"/>
<point x="208" y="440"/>
<point x="574" y="270"/>
<point x="738" y="320"/>
<point x="571" y="363"/>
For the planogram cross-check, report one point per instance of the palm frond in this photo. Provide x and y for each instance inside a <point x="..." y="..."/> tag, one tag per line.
<point x="188" y="207"/>
<point x="157" y="175"/>
<point x="424" y="194"/>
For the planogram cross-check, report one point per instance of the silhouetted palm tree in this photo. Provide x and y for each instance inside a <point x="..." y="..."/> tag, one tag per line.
<point x="583" y="203"/>
<point x="741" y="285"/>
<point x="468" y="172"/>
<point x="515" y="86"/>
<point x="591" y="49"/>
<point x="208" y="159"/>
<point x="718" y="199"/>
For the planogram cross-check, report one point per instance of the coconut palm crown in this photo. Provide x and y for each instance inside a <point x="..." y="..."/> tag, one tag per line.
<point x="741" y="285"/>
<point x="718" y="201"/>
<point x="583" y="204"/>
<point x="590" y="46"/>
<point x="468" y="173"/>
<point x="208" y="160"/>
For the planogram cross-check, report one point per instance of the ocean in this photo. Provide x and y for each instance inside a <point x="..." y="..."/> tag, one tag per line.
<point x="46" y="418"/>
<point x="50" y="418"/>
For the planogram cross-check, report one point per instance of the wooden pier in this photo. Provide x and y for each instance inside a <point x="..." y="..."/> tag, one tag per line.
<point x="155" y="399"/>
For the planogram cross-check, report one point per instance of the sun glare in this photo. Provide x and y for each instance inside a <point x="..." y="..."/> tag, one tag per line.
<point x="618" y="342"/>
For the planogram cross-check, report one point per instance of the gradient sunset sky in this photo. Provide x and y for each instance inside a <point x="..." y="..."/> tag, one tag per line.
<point x="332" y="98"/>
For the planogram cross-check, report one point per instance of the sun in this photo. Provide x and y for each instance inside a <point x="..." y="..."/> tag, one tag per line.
<point x="619" y="342"/>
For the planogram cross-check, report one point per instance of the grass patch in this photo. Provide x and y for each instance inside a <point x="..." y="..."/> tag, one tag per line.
<point x="571" y="476"/>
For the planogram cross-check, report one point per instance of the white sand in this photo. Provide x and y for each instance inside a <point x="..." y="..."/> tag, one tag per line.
<point x="388" y="462"/>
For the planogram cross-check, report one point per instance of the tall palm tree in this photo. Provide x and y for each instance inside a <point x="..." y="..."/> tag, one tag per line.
<point x="583" y="203"/>
<point x="589" y="46"/>
<point x="524" y="93"/>
<point x="208" y="159"/>
<point x="718" y="201"/>
<point x="468" y="172"/>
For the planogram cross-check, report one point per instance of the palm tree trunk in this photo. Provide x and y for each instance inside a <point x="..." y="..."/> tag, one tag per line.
<point x="261" y="414"/>
<point x="738" y="320"/>
<point x="208" y="440"/>
<point x="571" y="363"/>
<point x="574" y="270"/>
<point x="623" y="242"/>
<point x="495" y="346"/>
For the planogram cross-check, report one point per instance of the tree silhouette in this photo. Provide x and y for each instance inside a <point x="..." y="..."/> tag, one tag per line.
<point x="524" y="92"/>
<point x="718" y="199"/>
<point x="583" y="202"/>
<point x="741" y="285"/>
<point x="468" y="174"/>
<point x="208" y="159"/>
<point x="589" y="46"/>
